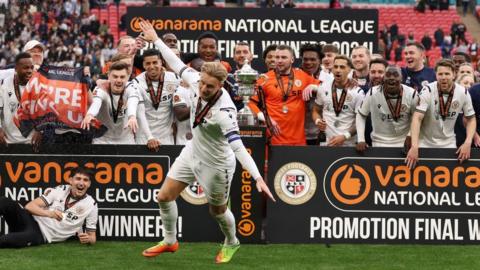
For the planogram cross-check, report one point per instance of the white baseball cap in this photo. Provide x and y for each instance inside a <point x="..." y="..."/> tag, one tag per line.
<point x="32" y="44"/>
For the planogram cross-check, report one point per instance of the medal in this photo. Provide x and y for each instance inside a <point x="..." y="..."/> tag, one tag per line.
<point x="336" y="123"/>
<point x="444" y="108"/>
<point x="338" y="104"/>
<point x="116" y="111"/>
<point x="155" y="98"/>
<point x="291" y="79"/>
<point x="395" y="111"/>
<point x="285" y="108"/>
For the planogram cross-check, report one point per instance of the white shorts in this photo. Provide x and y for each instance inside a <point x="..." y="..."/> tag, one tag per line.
<point x="215" y="182"/>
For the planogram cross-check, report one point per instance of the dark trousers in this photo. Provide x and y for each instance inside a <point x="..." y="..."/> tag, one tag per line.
<point x="312" y="142"/>
<point x="50" y="137"/>
<point x="24" y="230"/>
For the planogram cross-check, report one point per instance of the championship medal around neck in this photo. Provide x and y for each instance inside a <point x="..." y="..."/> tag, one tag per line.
<point x="336" y="123"/>
<point x="285" y="108"/>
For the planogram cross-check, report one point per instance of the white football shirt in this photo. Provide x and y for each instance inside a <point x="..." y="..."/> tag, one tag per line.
<point x="386" y="131"/>
<point x="8" y="107"/>
<point x="4" y="73"/>
<point x="159" y="120"/>
<point x="339" y="125"/>
<point x="434" y="131"/>
<point x="83" y="211"/>
<point x="209" y="142"/>
<point x="116" y="133"/>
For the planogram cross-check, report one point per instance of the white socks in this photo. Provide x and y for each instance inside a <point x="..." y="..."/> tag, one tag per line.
<point x="227" y="225"/>
<point x="169" y="214"/>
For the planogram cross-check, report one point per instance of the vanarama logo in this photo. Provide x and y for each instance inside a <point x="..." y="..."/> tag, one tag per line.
<point x="350" y="188"/>
<point x="246" y="227"/>
<point x="295" y="183"/>
<point x="178" y="24"/>
<point x="194" y="194"/>
<point x="387" y="185"/>
<point x="135" y="24"/>
<point x="107" y="171"/>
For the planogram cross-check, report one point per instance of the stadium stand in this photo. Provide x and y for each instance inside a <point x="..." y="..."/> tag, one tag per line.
<point x="93" y="16"/>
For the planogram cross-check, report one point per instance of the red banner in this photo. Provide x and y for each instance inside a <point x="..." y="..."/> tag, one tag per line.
<point x="55" y="97"/>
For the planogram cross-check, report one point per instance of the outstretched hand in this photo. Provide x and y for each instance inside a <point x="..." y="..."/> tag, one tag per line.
<point x="262" y="187"/>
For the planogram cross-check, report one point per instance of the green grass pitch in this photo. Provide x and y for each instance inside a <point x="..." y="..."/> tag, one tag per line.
<point x="127" y="255"/>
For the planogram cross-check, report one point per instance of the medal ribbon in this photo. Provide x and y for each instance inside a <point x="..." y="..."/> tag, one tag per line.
<point x="291" y="79"/>
<point x="394" y="111"/>
<point x="199" y="115"/>
<point x="444" y="108"/>
<point x="116" y="111"/>
<point x="155" y="98"/>
<point x="16" y="86"/>
<point x="338" y="105"/>
<point x="69" y="205"/>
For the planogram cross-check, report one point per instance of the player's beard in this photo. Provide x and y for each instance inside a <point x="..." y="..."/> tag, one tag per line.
<point x="448" y="87"/>
<point x="284" y="70"/>
<point x="23" y="79"/>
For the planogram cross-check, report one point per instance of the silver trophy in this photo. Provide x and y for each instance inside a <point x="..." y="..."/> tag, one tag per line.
<point x="246" y="78"/>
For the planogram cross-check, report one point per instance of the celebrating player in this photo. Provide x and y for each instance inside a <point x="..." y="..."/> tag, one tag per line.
<point x="55" y="216"/>
<point x="440" y="103"/>
<point x="336" y="104"/>
<point x="113" y="105"/>
<point x="391" y="105"/>
<point x="209" y="157"/>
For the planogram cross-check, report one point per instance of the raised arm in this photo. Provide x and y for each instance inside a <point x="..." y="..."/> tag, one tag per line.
<point x="150" y="35"/>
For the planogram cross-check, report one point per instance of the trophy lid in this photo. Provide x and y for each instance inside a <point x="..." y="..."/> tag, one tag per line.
<point x="247" y="69"/>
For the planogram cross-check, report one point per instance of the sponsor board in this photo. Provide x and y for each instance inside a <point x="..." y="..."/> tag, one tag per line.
<point x="125" y="186"/>
<point x="374" y="198"/>
<point x="260" y="27"/>
<point x="247" y="205"/>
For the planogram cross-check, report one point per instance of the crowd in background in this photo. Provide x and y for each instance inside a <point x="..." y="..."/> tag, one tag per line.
<point x="392" y="42"/>
<point x="71" y="35"/>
